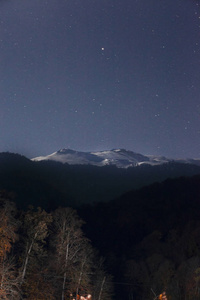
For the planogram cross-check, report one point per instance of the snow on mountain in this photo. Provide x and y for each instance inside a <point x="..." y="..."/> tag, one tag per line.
<point x="118" y="157"/>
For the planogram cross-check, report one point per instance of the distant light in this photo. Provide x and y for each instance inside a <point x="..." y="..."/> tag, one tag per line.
<point x="102" y="49"/>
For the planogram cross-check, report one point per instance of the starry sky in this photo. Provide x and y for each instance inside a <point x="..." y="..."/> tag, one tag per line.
<point x="100" y="74"/>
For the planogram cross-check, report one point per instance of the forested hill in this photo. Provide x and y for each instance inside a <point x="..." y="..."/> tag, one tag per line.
<point x="50" y="184"/>
<point x="149" y="236"/>
<point x="151" y="239"/>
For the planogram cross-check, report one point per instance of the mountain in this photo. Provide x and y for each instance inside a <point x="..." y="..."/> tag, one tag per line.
<point x="121" y="158"/>
<point x="49" y="183"/>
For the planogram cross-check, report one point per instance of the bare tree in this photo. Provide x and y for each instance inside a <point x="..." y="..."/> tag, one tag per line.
<point x="35" y="226"/>
<point x="70" y="248"/>
<point x="102" y="284"/>
<point x="85" y="271"/>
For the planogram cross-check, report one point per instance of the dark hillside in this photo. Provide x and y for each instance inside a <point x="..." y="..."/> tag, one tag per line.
<point x="137" y="213"/>
<point x="51" y="184"/>
<point x="142" y="223"/>
<point x="22" y="177"/>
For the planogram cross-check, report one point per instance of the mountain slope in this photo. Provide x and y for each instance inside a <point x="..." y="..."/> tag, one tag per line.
<point x="50" y="183"/>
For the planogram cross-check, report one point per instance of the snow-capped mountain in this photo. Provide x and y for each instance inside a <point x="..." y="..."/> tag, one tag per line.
<point x="118" y="157"/>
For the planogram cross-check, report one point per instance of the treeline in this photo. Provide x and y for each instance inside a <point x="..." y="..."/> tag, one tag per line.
<point x="45" y="255"/>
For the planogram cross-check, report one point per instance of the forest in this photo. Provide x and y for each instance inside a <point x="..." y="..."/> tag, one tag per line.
<point x="151" y="239"/>
<point x="47" y="256"/>
<point x="142" y="244"/>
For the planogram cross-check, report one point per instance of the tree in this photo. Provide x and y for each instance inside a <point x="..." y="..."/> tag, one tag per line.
<point x="38" y="284"/>
<point x="9" y="281"/>
<point x="8" y="227"/>
<point x="70" y="252"/>
<point x="35" y="232"/>
<point x="102" y="284"/>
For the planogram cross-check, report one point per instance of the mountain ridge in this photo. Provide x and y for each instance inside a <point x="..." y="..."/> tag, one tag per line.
<point x="121" y="158"/>
<point x="50" y="183"/>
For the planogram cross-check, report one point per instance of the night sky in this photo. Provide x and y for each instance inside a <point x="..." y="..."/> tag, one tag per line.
<point x="100" y="74"/>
